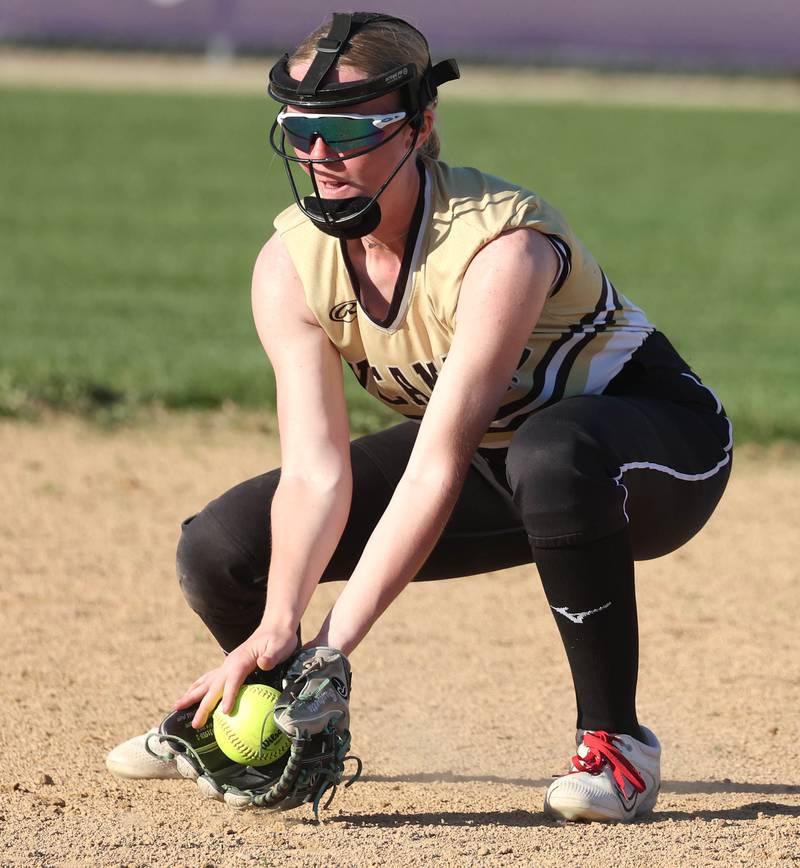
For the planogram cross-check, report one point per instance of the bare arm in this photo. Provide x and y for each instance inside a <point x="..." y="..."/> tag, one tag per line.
<point x="501" y="299"/>
<point x="312" y="500"/>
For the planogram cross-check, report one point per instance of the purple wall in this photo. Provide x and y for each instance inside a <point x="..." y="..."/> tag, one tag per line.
<point x="703" y="32"/>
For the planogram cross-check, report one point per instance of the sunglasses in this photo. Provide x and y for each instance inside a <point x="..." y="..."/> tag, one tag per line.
<point x="340" y="132"/>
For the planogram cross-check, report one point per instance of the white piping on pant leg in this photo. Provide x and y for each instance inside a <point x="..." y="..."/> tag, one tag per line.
<point x="625" y="498"/>
<point x="662" y="468"/>
<point x="698" y="383"/>
<point x="694" y="379"/>
<point x="676" y="474"/>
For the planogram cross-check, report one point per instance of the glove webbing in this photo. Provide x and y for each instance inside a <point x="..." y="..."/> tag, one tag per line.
<point x="286" y="782"/>
<point x="294" y="776"/>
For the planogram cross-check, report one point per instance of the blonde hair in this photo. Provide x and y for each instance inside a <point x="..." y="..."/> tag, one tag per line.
<point x="377" y="47"/>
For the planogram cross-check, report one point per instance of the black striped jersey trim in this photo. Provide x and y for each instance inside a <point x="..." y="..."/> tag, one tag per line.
<point x="590" y="325"/>
<point x="564" y="256"/>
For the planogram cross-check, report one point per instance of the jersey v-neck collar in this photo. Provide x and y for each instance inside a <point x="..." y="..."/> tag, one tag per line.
<point x="401" y="295"/>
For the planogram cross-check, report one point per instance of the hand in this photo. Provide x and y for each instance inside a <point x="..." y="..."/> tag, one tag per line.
<point x="265" y="649"/>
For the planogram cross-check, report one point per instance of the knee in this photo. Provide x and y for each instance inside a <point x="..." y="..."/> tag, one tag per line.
<point x="553" y="457"/>
<point x="562" y="479"/>
<point x="214" y="573"/>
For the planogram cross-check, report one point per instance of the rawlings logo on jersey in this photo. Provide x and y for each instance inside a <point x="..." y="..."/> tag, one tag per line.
<point x="344" y="312"/>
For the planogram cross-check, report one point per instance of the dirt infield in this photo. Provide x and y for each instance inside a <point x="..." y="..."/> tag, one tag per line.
<point x="462" y="708"/>
<point x="120" y="71"/>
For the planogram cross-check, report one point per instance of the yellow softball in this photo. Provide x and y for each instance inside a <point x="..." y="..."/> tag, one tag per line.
<point x="248" y="735"/>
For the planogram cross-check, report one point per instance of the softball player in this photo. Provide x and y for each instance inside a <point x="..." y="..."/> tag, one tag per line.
<point x="547" y="420"/>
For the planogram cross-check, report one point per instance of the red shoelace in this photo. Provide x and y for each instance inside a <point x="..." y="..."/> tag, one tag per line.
<point x="602" y="752"/>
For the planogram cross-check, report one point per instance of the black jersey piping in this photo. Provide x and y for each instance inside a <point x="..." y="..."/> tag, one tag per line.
<point x="540" y="371"/>
<point x="589" y="327"/>
<point x="564" y="256"/>
<point x="400" y="286"/>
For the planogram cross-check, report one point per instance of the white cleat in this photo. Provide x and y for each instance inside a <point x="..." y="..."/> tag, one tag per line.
<point x="614" y="778"/>
<point x="131" y="760"/>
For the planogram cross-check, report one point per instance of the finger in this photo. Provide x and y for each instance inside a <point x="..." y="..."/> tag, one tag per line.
<point x="270" y="657"/>
<point x="196" y="689"/>
<point x="206" y="704"/>
<point x="232" y="685"/>
<point x="190" y="697"/>
<point x="276" y="653"/>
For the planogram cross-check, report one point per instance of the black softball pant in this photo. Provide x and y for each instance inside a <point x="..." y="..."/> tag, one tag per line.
<point x="650" y="456"/>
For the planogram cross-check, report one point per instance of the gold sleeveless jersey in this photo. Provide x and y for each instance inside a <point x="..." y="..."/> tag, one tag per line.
<point x="585" y="334"/>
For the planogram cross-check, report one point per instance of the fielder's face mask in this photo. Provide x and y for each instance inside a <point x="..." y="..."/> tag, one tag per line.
<point x="351" y="135"/>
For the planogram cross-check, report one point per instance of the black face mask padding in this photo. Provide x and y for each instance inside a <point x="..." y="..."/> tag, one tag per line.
<point x="344" y="218"/>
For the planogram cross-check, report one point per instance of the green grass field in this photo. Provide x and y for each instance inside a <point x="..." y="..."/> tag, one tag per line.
<point x="130" y="223"/>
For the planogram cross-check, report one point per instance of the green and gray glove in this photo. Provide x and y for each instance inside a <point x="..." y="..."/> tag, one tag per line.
<point x="312" y="710"/>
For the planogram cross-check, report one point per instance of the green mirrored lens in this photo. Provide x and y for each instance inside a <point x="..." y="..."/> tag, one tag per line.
<point x="339" y="133"/>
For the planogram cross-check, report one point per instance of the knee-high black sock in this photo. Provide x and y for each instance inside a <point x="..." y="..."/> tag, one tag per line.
<point x="590" y="589"/>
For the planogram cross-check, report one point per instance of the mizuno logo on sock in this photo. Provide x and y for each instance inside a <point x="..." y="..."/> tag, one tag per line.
<point x="578" y="617"/>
